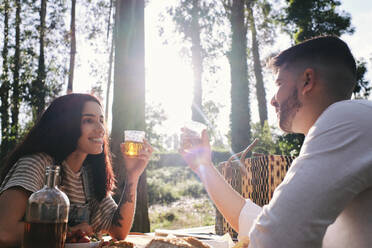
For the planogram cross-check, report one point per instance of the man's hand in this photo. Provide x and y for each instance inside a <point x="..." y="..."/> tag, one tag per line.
<point x="198" y="154"/>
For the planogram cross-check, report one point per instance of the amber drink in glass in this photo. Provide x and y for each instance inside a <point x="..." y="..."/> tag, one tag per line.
<point x="133" y="142"/>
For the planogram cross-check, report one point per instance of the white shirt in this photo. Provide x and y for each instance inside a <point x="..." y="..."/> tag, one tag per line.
<point x="325" y="199"/>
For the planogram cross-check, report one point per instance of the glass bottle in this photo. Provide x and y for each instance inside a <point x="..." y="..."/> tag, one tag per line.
<point x="47" y="214"/>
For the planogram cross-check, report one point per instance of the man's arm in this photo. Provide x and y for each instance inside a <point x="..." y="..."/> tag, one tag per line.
<point x="227" y="200"/>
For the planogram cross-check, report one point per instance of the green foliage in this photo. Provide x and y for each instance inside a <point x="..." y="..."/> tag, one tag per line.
<point x="290" y="144"/>
<point x="185" y="213"/>
<point x="268" y="141"/>
<point x="307" y="19"/>
<point x="22" y="58"/>
<point x="177" y="199"/>
<point x="168" y="184"/>
<point x="211" y="112"/>
<point x="155" y="115"/>
<point x="209" y="15"/>
<point x="363" y="88"/>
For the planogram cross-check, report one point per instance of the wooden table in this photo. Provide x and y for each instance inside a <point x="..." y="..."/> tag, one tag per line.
<point x="205" y="234"/>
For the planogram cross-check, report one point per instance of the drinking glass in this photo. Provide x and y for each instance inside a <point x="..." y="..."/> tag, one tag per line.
<point x="133" y="142"/>
<point x="191" y="135"/>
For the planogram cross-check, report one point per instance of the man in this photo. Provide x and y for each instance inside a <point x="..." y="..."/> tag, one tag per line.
<point x="325" y="200"/>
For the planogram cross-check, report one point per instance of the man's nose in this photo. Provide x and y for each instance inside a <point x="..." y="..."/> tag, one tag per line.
<point x="273" y="102"/>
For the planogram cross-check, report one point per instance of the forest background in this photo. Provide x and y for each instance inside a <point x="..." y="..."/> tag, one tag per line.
<point x="156" y="64"/>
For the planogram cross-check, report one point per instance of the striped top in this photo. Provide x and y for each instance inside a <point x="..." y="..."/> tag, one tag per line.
<point x="29" y="173"/>
<point x="72" y="185"/>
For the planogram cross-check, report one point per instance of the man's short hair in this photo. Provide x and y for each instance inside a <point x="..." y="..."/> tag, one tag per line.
<point x="329" y="53"/>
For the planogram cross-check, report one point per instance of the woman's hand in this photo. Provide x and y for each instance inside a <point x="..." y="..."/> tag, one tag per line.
<point x="198" y="154"/>
<point x="84" y="228"/>
<point x="136" y="165"/>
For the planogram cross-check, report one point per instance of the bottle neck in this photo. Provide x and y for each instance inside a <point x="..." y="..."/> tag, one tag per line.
<point x="52" y="174"/>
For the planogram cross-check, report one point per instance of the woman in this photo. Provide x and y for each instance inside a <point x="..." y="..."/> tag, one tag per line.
<point x="70" y="133"/>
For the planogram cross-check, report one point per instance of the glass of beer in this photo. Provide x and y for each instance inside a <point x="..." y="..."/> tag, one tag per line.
<point x="133" y="142"/>
<point x="191" y="135"/>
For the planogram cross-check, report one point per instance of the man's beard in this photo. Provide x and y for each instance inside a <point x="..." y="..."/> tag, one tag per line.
<point x="288" y="110"/>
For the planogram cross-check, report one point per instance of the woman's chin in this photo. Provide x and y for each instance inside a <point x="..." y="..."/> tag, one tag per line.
<point x="96" y="152"/>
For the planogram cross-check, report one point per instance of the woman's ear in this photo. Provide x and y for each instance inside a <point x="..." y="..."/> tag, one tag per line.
<point x="308" y="79"/>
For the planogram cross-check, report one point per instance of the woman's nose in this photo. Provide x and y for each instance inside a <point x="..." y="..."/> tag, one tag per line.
<point x="101" y="128"/>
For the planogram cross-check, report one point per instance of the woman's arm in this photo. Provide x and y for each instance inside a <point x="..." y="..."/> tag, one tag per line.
<point x="13" y="204"/>
<point x="123" y="217"/>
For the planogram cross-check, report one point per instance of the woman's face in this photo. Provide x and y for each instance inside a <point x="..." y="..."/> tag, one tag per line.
<point x="92" y="129"/>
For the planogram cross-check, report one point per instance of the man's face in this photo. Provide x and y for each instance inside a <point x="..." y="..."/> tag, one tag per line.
<point x="285" y="100"/>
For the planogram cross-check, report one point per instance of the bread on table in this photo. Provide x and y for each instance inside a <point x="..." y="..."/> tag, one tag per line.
<point x="116" y="244"/>
<point x="184" y="242"/>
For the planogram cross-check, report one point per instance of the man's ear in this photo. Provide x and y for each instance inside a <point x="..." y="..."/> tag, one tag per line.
<point x="308" y="81"/>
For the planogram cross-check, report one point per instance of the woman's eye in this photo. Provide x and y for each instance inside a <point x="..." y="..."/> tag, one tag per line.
<point x="87" y="120"/>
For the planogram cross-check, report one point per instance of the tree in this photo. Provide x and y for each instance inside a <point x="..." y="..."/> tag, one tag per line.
<point x="128" y="109"/>
<point x="111" y="58"/>
<point x="5" y="84"/>
<point x="194" y="19"/>
<point x="267" y="139"/>
<point x="307" y="19"/>
<point x="155" y="116"/>
<point x="38" y="85"/>
<point x="254" y="6"/>
<point x="240" y="114"/>
<point x="17" y="90"/>
<point x="21" y="63"/>
<point x="363" y="88"/>
<point x="212" y="110"/>
<point x="72" y="48"/>
<point x="260" y="89"/>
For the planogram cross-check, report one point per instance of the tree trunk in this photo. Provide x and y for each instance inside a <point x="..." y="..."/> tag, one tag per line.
<point x="260" y="89"/>
<point x="72" y="48"/>
<point x="16" y="96"/>
<point x="111" y="57"/>
<point x="128" y="110"/>
<point x="38" y="96"/>
<point x="240" y="114"/>
<point x="197" y="63"/>
<point x="5" y="86"/>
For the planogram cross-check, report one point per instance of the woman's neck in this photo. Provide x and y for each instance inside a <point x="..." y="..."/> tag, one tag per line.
<point x="75" y="160"/>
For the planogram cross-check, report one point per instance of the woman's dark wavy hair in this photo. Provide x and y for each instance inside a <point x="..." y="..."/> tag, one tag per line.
<point x="57" y="132"/>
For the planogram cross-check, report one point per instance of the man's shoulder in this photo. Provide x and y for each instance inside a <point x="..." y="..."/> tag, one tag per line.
<point x="349" y="109"/>
<point x="351" y="104"/>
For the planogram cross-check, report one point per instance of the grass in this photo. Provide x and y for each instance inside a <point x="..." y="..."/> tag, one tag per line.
<point x="177" y="199"/>
<point x="184" y="213"/>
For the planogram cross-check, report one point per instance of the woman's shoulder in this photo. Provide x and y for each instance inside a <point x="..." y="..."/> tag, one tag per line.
<point x="40" y="159"/>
